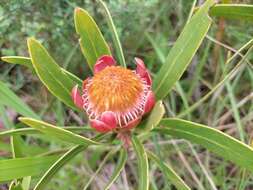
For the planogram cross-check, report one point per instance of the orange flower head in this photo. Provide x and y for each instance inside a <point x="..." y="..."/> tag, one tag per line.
<point x="115" y="98"/>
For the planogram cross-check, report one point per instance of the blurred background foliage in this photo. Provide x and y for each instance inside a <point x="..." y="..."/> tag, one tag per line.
<point x="147" y="29"/>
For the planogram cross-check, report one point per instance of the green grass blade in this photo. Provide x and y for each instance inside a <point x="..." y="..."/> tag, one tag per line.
<point x="57" y="132"/>
<point x="101" y="165"/>
<point x="227" y="77"/>
<point x="51" y="75"/>
<point x="170" y="174"/>
<point x="115" y="36"/>
<point x="5" y="119"/>
<point x="214" y="140"/>
<point x="120" y="165"/>
<point x="92" y="42"/>
<point x="142" y="162"/>
<point x="182" y="52"/>
<point x="236" y="112"/>
<point x="233" y="11"/>
<point x="22" y="167"/>
<point x="10" y="99"/>
<point x="26" y="61"/>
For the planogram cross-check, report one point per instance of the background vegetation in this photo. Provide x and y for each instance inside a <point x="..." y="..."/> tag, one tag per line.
<point x="147" y="29"/>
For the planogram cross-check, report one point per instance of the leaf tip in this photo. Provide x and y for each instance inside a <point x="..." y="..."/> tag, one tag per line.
<point x="4" y="58"/>
<point x="30" y="39"/>
<point x="22" y="119"/>
<point x="77" y="9"/>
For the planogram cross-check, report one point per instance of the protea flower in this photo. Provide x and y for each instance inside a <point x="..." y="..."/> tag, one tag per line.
<point x="115" y="98"/>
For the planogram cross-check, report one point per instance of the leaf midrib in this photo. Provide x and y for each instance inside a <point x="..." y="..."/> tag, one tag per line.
<point x="175" y="60"/>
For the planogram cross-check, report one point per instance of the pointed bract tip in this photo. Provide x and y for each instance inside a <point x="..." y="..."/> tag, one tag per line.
<point x="76" y="97"/>
<point x="139" y="61"/>
<point x="142" y="70"/>
<point x="103" y="62"/>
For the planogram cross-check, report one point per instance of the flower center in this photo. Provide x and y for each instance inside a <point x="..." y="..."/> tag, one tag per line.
<point x="115" y="89"/>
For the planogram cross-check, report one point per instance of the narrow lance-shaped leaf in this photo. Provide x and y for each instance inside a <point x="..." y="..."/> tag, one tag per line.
<point x="92" y="41"/>
<point x="20" y="60"/>
<point x="64" y="159"/>
<point x="142" y="162"/>
<point x="21" y="167"/>
<point x="58" y="165"/>
<point x="233" y="11"/>
<point x="27" y="62"/>
<point x="170" y="174"/>
<point x="114" y="33"/>
<point x="15" y="186"/>
<point x="10" y="99"/>
<point x="17" y="144"/>
<point x="183" y="50"/>
<point x="27" y="130"/>
<point x="214" y="140"/>
<point x="120" y="165"/>
<point x="57" y="132"/>
<point x="51" y="75"/>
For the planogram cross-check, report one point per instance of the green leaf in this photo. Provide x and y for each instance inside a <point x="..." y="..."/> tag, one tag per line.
<point x="154" y="118"/>
<point x="92" y="42"/>
<point x="26" y="61"/>
<point x="15" y="186"/>
<point x="73" y="77"/>
<point x="64" y="159"/>
<point x="21" y="167"/>
<point x="115" y="36"/>
<point x="24" y="131"/>
<point x="10" y="99"/>
<point x="57" y="132"/>
<point x="170" y="174"/>
<point x="51" y="75"/>
<point x="58" y="165"/>
<point x="120" y="165"/>
<point x="182" y="52"/>
<point x="142" y="162"/>
<point x="214" y="140"/>
<point x="26" y="181"/>
<point x="16" y="146"/>
<point x="233" y="11"/>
